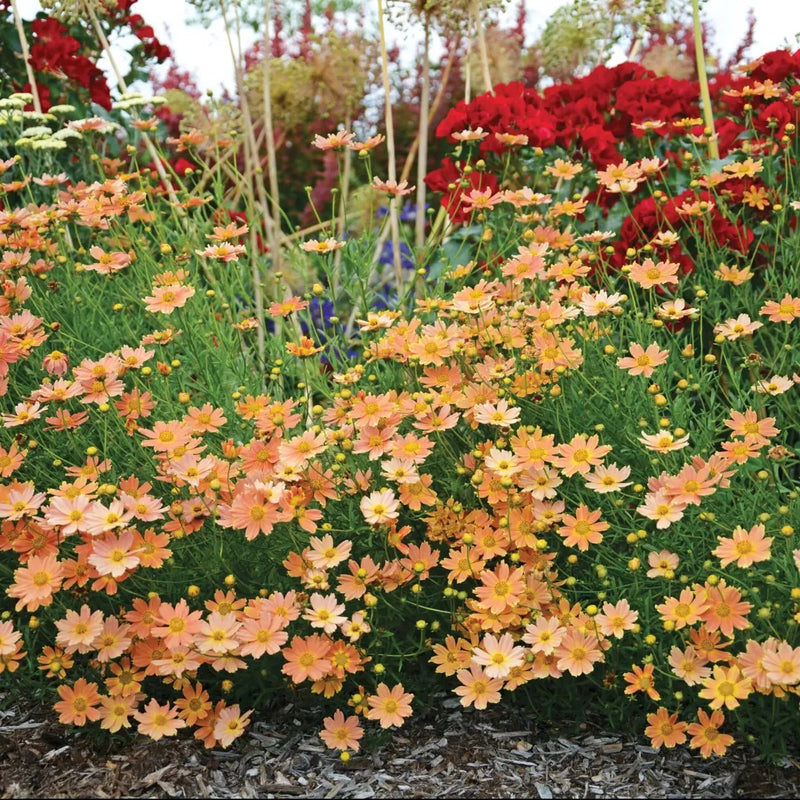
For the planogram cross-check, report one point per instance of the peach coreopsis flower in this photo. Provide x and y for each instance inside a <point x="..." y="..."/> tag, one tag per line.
<point x="453" y="655"/>
<point x="499" y="413"/>
<point x="500" y="587"/>
<point x="749" y="426"/>
<point x="78" y="703"/>
<point x="390" y="707"/>
<point x="687" y="609"/>
<point x="18" y="500"/>
<point x="115" y="712"/>
<point x="229" y="724"/>
<point x="114" y="554"/>
<point x="112" y="641"/>
<point x="663" y="509"/>
<point x="392" y="187"/>
<point x="777" y="384"/>
<point x="662" y="564"/>
<point x="477" y="688"/>
<point x="617" y="618"/>
<point x="649" y="273"/>
<point x="157" y="721"/>
<point x="580" y="454"/>
<point x="544" y="635"/>
<point x="735" y="275"/>
<point x="781" y="664"/>
<point x="217" y="633"/>
<point x="689" y="665"/>
<point x="333" y="141"/>
<point x="325" y="612"/>
<point x="583" y="529"/>
<point x="307" y="658"/>
<point x="340" y="733"/>
<point x="78" y="631"/>
<point x="706" y="736"/>
<point x="643" y="361"/>
<point x="177" y="624"/>
<point x="321" y="246"/>
<point x="640" y="679"/>
<point x="107" y="263"/>
<point x="380" y="507"/>
<point x="726" y="611"/>
<point x="608" y="478"/>
<point x="735" y="328"/>
<point x="9" y="638"/>
<point x="223" y="251"/>
<point x="664" y="441"/>
<point x="725" y="687"/>
<point x="785" y="310"/>
<point x="664" y="729"/>
<point x="498" y="656"/>
<point x="165" y="299"/>
<point x="578" y="652"/>
<point x="36" y="582"/>
<point x="743" y="547"/>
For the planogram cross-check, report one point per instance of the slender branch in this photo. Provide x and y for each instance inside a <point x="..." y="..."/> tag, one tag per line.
<point x="275" y="227"/>
<point x="422" y="138"/>
<point x="26" y="57"/>
<point x="487" y="80"/>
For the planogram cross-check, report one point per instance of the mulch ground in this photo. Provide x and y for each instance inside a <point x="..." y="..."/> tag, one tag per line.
<point x="446" y="753"/>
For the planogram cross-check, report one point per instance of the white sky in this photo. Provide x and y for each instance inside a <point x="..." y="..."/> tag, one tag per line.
<point x="205" y="53"/>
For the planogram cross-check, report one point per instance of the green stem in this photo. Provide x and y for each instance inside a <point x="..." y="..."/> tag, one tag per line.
<point x="713" y="149"/>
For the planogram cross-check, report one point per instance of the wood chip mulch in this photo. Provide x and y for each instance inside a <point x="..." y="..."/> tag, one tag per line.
<point x="450" y="752"/>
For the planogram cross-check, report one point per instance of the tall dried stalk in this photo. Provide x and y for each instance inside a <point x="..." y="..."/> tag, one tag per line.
<point x="159" y="167"/>
<point x="26" y="57"/>
<point x="484" y="53"/>
<point x="394" y="222"/>
<point x="708" y="115"/>
<point x="422" y="138"/>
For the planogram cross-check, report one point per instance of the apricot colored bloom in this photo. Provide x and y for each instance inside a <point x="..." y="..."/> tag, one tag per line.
<point x="11" y="460"/>
<point x="649" y="274"/>
<point x="689" y="665"/>
<point x="8" y="638"/>
<point x="500" y="588"/>
<point x="157" y="721"/>
<point x="325" y="612"/>
<point x="787" y="310"/>
<point x="641" y="680"/>
<point x="306" y="658"/>
<point x="565" y="170"/>
<point x="616" y="619"/>
<point x="217" y="633"/>
<point x="664" y="441"/>
<point x="340" y="733"/>
<point x="321" y="246"/>
<point x="706" y="736"/>
<point x="78" y="630"/>
<point x="777" y="384"/>
<point x="502" y="463"/>
<point x="263" y="635"/>
<point x="578" y="652"/>
<point x="380" y="507"/>
<point x="78" y="703"/>
<point x="477" y="688"/>
<point x="498" y="656"/>
<point x="662" y="564"/>
<point x="751" y="662"/>
<point x="194" y="705"/>
<point x="229" y="724"/>
<point x="782" y="664"/>
<point x="36" y="582"/>
<point x="544" y="635"/>
<point x="733" y="329"/>
<point x="392" y="187"/>
<point x="735" y="275"/>
<point x="453" y="655"/>
<point x="675" y="309"/>
<point x="390" y="707"/>
<point x="683" y="610"/>
<point x="580" y="455"/>
<point x="598" y="304"/>
<point x="323" y="554"/>
<point x="114" y="555"/>
<point x="725" y="687"/>
<point x="165" y="299"/>
<point x="333" y="141"/>
<point x="751" y="427"/>
<point x="663" y="509"/>
<point x="115" y="712"/>
<point x="664" y="730"/>
<point x="112" y="641"/>
<point x="583" y="529"/>
<point x="499" y="413"/>
<point x="744" y="548"/>
<point x="726" y="610"/>
<point x="177" y="624"/>
<point x="368" y="144"/>
<point x="21" y="500"/>
<point x="641" y="361"/>
<point x="608" y="478"/>
<point x="107" y="263"/>
<point x="468" y="135"/>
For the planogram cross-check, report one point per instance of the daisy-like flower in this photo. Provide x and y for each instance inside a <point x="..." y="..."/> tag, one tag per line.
<point x="663" y="509"/>
<point x="641" y="680"/>
<point x="782" y="664"/>
<point x="744" y="548"/>
<point x="608" y="478"/>
<point x="223" y="251"/>
<point x="684" y="610"/>
<point x="306" y="658"/>
<point x="777" y="384"/>
<point x="321" y="246"/>
<point x="662" y="564"/>
<point x="333" y="141"/>
<point x="706" y="736"/>
<point x="725" y="687"/>
<point x="325" y="612"/>
<point x="500" y="414"/>
<point x="78" y="703"/>
<point x="380" y="507"/>
<point x="36" y="582"/>
<point x="498" y="656"/>
<point x="544" y="635"/>
<point x="689" y="665"/>
<point x="735" y="275"/>
<point x="580" y="454"/>
<point x="733" y="329"/>
<point x="664" y="441"/>
<point x="157" y="721"/>
<point x="392" y="187"/>
<point x="785" y="310"/>
<point x="500" y="588"/>
<point x="675" y="309"/>
<point x="583" y="529"/>
<point x="641" y="361"/>
<point x="664" y="729"/>
<point x="390" y="707"/>
<point x="616" y="619"/>
<point x="578" y="652"/>
<point x="594" y="305"/>
<point x="217" y="633"/>
<point x="230" y="724"/>
<point x="751" y="427"/>
<point x="340" y="733"/>
<point x="477" y="688"/>
<point x="649" y="273"/>
<point x="503" y="463"/>
<point x="114" y="555"/>
<point x="467" y="135"/>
